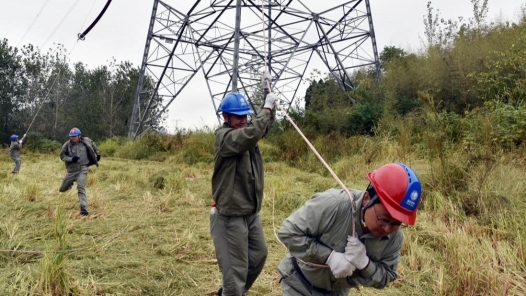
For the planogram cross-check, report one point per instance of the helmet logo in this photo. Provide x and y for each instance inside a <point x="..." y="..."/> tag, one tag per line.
<point x="74" y="132"/>
<point x="414" y="195"/>
<point x="235" y="103"/>
<point x="243" y="102"/>
<point x="411" y="199"/>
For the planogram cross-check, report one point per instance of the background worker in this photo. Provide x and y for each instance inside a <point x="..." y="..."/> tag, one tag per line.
<point x="14" y="152"/>
<point x="320" y="232"/>
<point x="78" y="154"/>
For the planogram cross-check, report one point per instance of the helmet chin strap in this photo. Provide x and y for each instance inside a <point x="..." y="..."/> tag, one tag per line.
<point x="227" y="120"/>
<point x="373" y="199"/>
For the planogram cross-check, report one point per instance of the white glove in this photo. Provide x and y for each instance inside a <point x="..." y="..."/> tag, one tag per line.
<point x="340" y="267"/>
<point x="355" y="253"/>
<point x="265" y="80"/>
<point x="266" y="75"/>
<point x="270" y="101"/>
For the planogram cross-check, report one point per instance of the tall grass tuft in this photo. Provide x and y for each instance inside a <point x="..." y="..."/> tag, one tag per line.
<point x="31" y="192"/>
<point x="54" y="278"/>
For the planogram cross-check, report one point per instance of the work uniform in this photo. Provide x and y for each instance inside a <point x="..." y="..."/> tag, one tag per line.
<point x="14" y="153"/>
<point x="322" y="225"/>
<point x="88" y="154"/>
<point x="237" y="187"/>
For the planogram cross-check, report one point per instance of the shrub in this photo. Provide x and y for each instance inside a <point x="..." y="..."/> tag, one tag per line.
<point x="37" y="142"/>
<point x="199" y="147"/>
<point x="152" y="146"/>
<point x="110" y="146"/>
<point x="291" y="144"/>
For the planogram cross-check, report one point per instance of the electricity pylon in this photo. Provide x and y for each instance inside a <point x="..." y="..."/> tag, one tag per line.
<point x="228" y="42"/>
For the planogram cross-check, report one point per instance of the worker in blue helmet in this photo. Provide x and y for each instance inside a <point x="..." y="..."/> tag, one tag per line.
<point x="14" y="152"/>
<point x="78" y="153"/>
<point x="237" y="187"/>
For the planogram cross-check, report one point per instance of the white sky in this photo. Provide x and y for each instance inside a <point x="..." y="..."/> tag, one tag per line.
<point x="121" y="34"/>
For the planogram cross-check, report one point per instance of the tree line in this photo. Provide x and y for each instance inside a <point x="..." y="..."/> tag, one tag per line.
<point x="43" y="92"/>
<point x="463" y="65"/>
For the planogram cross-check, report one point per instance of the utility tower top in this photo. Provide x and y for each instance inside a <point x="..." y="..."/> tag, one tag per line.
<point x="289" y="35"/>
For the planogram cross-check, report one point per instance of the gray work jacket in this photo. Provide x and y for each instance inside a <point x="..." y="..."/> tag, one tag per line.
<point x="66" y="154"/>
<point x="322" y="225"/>
<point x="237" y="181"/>
<point x="14" y="149"/>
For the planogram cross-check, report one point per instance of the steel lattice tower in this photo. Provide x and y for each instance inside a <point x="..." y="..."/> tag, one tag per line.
<point x="203" y="39"/>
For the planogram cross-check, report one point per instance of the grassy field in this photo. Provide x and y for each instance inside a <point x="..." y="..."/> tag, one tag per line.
<point x="148" y="228"/>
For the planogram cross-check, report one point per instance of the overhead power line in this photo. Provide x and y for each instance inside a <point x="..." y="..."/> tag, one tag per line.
<point x="32" y="22"/>
<point x="60" y="23"/>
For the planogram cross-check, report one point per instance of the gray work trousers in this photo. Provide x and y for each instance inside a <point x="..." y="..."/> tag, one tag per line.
<point x="18" y="163"/>
<point x="80" y="178"/>
<point x="292" y="283"/>
<point x="241" y="250"/>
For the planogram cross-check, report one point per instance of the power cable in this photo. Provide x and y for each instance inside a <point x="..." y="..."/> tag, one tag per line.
<point x="87" y="15"/>
<point x="82" y="35"/>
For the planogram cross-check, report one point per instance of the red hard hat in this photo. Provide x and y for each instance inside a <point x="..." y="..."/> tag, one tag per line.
<point x="399" y="190"/>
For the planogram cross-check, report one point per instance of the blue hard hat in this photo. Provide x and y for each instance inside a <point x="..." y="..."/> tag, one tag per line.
<point x="235" y="103"/>
<point x="14" y="138"/>
<point x="74" y="132"/>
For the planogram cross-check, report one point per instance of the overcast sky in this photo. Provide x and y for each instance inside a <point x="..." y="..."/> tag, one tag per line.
<point x="121" y="33"/>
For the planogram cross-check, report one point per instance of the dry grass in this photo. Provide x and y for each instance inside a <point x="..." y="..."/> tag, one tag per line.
<point x="142" y="238"/>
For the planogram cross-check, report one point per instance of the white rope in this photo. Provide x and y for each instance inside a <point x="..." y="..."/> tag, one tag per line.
<point x="310" y="146"/>
<point x="264" y="36"/>
<point x="59" y="69"/>
<point x="49" y="90"/>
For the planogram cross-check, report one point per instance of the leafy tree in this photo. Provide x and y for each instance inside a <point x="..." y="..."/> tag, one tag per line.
<point x="12" y="82"/>
<point x="391" y="54"/>
<point x="116" y="90"/>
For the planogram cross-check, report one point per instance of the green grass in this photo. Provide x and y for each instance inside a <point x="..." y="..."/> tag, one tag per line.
<point x="148" y="228"/>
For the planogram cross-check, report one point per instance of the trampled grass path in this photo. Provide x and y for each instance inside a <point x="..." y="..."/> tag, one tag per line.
<point x="148" y="231"/>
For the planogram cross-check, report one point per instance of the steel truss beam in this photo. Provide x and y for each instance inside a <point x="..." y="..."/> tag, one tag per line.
<point x="181" y="44"/>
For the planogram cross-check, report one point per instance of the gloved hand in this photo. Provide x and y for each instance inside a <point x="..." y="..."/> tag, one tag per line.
<point x="75" y="159"/>
<point x="340" y="267"/>
<point x="265" y="81"/>
<point x="270" y="101"/>
<point x="98" y="157"/>
<point x="355" y="253"/>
